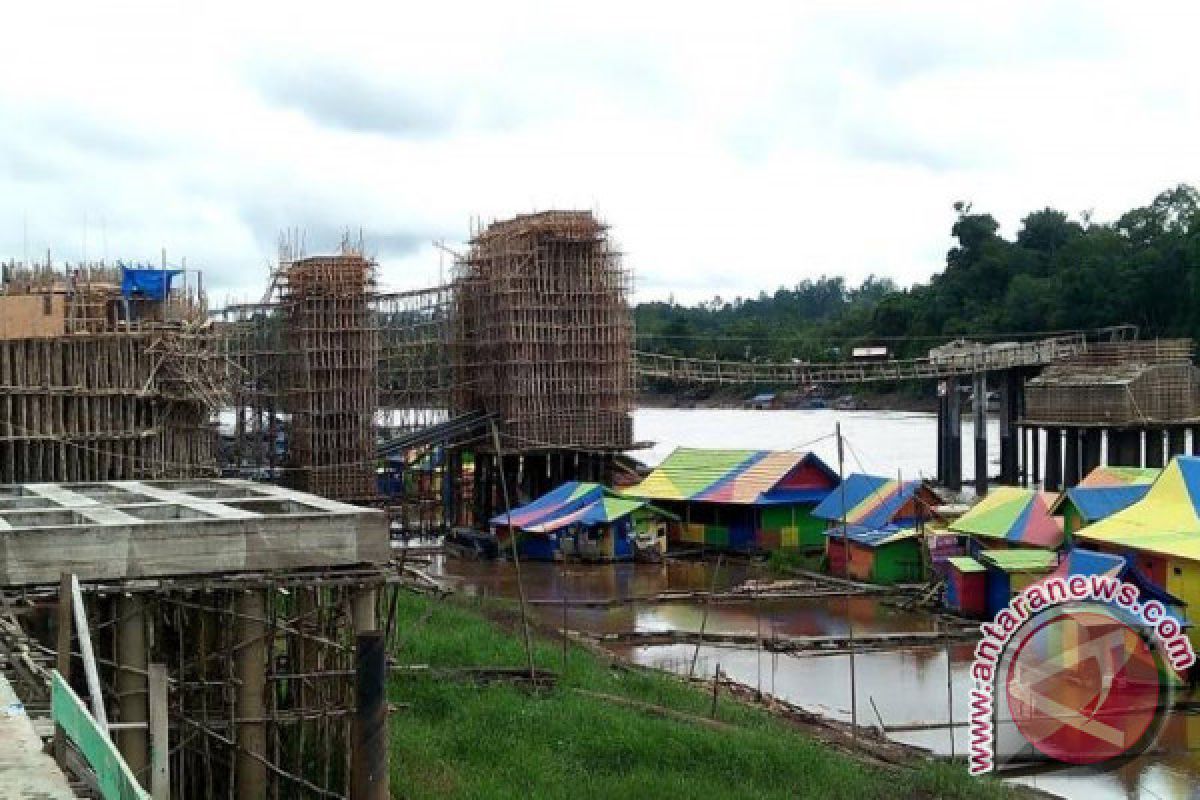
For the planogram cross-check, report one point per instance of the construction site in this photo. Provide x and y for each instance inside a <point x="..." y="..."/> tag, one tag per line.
<point x="179" y="545"/>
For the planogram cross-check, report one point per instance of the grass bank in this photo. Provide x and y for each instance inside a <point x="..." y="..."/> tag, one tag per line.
<point x="459" y="740"/>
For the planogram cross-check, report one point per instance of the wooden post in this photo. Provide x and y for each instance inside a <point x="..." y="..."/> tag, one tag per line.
<point x="160" y="745"/>
<point x="89" y="658"/>
<point x="370" y="774"/>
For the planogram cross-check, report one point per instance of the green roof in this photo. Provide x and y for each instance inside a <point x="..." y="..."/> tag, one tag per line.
<point x="1023" y="560"/>
<point x="966" y="564"/>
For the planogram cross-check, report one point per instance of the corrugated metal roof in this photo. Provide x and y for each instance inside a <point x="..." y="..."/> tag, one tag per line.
<point x="1022" y="560"/>
<point x="966" y="564"/>
<point x="743" y="477"/>
<point x="1015" y="515"/>
<point x="1120" y="476"/>
<point x="1098" y="502"/>
<point x="870" y="500"/>
<point x="1165" y="521"/>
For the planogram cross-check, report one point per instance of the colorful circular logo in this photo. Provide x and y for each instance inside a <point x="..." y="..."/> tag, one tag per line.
<point x="1084" y="687"/>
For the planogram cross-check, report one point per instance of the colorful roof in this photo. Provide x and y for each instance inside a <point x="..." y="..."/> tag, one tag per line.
<point x="742" y="477"/>
<point x="1121" y="476"/>
<point x="571" y="496"/>
<point x="1015" y="515"/>
<point x="1080" y="561"/>
<point x="1165" y="521"/>
<point x="1023" y="560"/>
<point x="1094" y="503"/>
<point x="872" y="537"/>
<point x="601" y="511"/>
<point x="966" y="564"/>
<point x="870" y="501"/>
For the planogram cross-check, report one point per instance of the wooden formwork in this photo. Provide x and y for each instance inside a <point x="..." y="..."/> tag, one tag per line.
<point x="108" y="406"/>
<point x="544" y="334"/>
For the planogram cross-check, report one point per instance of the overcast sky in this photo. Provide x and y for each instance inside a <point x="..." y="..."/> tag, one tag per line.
<point x="733" y="147"/>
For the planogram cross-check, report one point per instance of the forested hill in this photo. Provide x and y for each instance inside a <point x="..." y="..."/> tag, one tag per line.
<point x="1057" y="274"/>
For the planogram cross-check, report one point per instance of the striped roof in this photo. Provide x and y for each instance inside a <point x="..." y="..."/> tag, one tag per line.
<point x="870" y="501"/>
<point x="1098" y="502"/>
<point x="570" y="496"/>
<point x="872" y="537"/>
<point x="1165" y="521"/>
<point x="599" y="512"/>
<point x="1015" y="515"/>
<point x="741" y="477"/>
<point x="1121" y="476"/>
<point x="1023" y="560"/>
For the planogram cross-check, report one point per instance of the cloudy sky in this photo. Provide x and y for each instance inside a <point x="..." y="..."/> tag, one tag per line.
<point x="732" y="147"/>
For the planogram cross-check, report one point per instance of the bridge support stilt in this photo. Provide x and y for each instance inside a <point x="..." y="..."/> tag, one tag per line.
<point x="1154" y="447"/>
<point x="1176" y="442"/>
<point x="1035" y="456"/>
<point x="1053" y="479"/>
<point x="979" y="412"/>
<point x="1090" y="452"/>
<point x="953" y="436"/>
<point x="1125" y="448"/>
<point x="1071" y="457"/>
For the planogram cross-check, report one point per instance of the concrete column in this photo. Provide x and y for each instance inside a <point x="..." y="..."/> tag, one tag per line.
<point x="1176" y="442"/>
<point x="1154" y="447"/>
<point x="1053" y="481"/>
<point x="131" y="684"/>
<point x="1035" y="457"/>
<point x="1090" y="455"/>
<point x="1009" y="433"/>
<point x="980" y="415"/>
<point x="250" y="667"/>
<point x="953" y="436"/>
<point x="363" y="609"/>
<point x="1125" y="448"/>
<point x="941" y="432"/>
<point x="1071" y="458"/>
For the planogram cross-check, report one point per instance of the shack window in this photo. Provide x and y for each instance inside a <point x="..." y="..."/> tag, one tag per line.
<point x="1178" y="571"/>
<point x="46" y="305"/>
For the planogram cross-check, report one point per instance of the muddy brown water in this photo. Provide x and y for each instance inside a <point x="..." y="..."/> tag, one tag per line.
<point x="901" y="688"/>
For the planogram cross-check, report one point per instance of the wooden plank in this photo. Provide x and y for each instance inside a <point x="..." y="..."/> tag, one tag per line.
<point x="160" y="746"/>
<point x="65" y="604"/>
<point x="113" y="775"/>
<point x="89" y="657"/>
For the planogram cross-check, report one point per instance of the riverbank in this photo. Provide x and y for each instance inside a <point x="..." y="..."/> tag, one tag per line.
<point x="606" y="730"/>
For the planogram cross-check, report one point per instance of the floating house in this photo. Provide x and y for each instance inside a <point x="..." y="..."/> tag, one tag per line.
<point x="583" y="520"/>
<point x="1012" y="517"/>
<point x="872" y="502"/>
<point x="1085" y="505"/>
<point x="966" y="587"/>
<point x="742" y="499"/>
<point x="1160" y="532"/>
<point x="887" y="555"/>
<point x="1010" y="571"/>
<point x="1081" y="561"/>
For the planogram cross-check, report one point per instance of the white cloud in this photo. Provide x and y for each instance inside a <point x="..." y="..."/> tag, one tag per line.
<point x="731" y="149"/>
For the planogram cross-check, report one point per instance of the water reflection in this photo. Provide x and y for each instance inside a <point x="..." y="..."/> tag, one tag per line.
<point x="904" y="688"/>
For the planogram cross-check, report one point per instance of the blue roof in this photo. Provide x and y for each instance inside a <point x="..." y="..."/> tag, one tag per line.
<point x="763" y="398"/>
<point x="871" y="501"/>
<point x="1097" y="502"/>
<point x="1080" y="561"/>
<point x="871" y="537"/>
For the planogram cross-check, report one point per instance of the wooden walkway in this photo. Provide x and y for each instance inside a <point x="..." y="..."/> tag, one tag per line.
<point x="807" y="645"/>
<point x="25" y="771"/>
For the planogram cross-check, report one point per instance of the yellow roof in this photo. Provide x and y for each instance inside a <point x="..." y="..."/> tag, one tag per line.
<point x="1164" y="521"/>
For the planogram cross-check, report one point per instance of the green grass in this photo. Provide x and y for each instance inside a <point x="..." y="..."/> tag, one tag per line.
<point x="458" y="740"/>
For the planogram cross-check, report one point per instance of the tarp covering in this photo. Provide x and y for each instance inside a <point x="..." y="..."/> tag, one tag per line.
<point x="741" y="477"/>
<point x="1095" y="503"/>
<point x="569" y="497"/>
<point x="872" y="537"/>
<point x="1015" y="515"/>
<point x="601" y="511"/>
<point x="150" y="283"/>
<point x="1120" y="476"/>
<point x="870" y="501"/>
<point x="1166" y="520"/>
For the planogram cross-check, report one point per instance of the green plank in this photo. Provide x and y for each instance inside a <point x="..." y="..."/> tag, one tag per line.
<point x="113" y="775"/>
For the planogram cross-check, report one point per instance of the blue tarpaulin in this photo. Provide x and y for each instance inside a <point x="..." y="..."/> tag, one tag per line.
<point x="150" y="283"/>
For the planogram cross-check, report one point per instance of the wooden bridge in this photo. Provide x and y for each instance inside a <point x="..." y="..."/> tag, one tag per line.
<point x="968" y="359"/>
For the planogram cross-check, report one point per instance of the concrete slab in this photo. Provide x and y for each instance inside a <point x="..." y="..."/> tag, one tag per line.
<point x="25" y="771"/>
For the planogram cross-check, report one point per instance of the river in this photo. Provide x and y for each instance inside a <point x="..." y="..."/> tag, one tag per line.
<point x="902" y="688"/>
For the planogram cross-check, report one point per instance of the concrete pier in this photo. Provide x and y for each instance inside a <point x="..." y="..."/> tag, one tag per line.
<point x="250" y="667"/>
<point x="131" y="683"/>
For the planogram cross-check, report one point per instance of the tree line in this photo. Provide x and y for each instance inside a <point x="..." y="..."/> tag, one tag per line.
<point x="1056" y="274"/>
